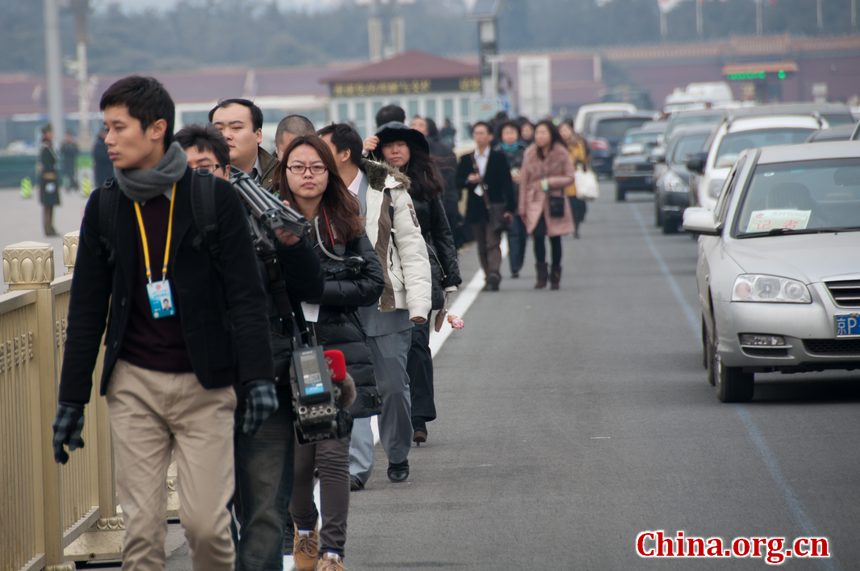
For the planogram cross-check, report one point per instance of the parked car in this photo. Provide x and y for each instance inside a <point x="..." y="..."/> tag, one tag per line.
<point x="709" y="117"/>
<point x="737" y="134"/>
<point x="833" y="113"/>
<point x="671" y="190"/>
<point x="586" y="113"/>
<point x="838" y="133"/>
<point x="777" y="272"/>
<point x="633" y="167"/>
<point x="606" y="133"/>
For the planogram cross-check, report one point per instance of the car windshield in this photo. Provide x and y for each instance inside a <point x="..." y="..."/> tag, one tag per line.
<point x="834" y="119"/>
<point x="686" y="146"/>
<point x="801" y="198"/>
<point x="616" y="128"/>
<point x="733" y="144"/>
<point x="689" y="120"/>
<point x="640" y="137"/>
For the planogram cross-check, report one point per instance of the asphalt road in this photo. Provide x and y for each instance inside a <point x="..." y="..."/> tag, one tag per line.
<point x="571" y="421"/>
<point x="21" y="221"/>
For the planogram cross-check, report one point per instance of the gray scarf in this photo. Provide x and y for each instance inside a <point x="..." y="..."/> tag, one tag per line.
<point x="141" y="185"/>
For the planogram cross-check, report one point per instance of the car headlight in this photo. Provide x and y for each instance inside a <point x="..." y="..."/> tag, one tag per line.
<point x="714" y="187"/>
<point x="759" y="288"/>
<point x="674" y="183"/>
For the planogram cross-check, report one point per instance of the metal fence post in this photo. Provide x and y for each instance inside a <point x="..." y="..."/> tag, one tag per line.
<point x="30" y="266"/>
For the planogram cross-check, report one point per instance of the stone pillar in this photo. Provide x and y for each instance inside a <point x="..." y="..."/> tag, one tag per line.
<point x="70" y="250"/>
<point x="28" y="265"/>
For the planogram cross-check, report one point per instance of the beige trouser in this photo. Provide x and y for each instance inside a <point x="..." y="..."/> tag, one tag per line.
<point x="153" y="414"/>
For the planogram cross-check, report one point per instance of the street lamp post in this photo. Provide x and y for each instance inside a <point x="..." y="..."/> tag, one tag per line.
<point x="485" y="12"/>
<point x="80" y="9"/>
<point x="53" y="71"/>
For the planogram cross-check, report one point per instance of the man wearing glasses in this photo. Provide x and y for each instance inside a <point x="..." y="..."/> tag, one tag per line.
<point x="205" y="148"/>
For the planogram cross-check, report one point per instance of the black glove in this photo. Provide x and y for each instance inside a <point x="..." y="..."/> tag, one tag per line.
<point x="68" y="425"/>
<point x="261" y="401"/>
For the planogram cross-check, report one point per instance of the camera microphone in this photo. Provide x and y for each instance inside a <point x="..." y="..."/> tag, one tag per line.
<point x="336" y="365"/>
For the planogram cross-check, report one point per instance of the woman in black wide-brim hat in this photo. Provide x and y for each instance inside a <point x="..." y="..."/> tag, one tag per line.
<point x="407" y="149"/>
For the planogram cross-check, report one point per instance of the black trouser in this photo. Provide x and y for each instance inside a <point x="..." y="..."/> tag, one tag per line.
<point x="540" y="245"/>
<point x="578" y="207"/>
<point x="419" y="365"/>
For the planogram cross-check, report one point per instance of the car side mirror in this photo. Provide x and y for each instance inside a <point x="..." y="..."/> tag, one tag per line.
<point x="701" y="221"/>
<point x="696" y="162"/>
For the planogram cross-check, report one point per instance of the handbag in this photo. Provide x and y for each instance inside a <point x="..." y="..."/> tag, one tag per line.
<point x="495" y="211"/>
<point x="556" y="206"/>
<point x="587" y="187"/>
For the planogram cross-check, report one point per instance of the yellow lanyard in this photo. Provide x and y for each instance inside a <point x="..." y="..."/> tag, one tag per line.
<point x="146" y="245"/>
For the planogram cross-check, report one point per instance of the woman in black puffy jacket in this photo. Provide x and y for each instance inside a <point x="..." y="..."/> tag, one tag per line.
<point x="308" y="179"/>
<point x="407" y="149"/>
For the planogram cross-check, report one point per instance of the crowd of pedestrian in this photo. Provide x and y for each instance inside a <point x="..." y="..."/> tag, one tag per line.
<point x="212" y="314"/>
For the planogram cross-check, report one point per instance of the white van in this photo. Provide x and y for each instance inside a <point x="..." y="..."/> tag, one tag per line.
<point x="586" y="113"/>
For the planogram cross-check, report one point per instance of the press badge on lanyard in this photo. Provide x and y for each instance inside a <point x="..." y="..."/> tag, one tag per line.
<point x="160" y="296"/>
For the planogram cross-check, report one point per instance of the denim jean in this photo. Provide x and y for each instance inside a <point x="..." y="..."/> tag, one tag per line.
<point x="264" y="482"/>
<point x="517" y="239"/>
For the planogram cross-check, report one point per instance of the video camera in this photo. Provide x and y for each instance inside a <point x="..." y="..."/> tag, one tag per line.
<point x="267" y="212"/>
<point x="316" y="389"/>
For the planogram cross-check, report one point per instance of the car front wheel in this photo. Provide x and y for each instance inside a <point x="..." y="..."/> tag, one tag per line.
<point x="733" y="384"/>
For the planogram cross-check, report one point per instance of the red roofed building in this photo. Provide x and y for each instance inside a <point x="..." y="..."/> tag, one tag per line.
<point x="421" y="83"/>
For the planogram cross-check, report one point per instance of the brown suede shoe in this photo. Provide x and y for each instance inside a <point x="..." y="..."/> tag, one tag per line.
<point x="306" y="550"/>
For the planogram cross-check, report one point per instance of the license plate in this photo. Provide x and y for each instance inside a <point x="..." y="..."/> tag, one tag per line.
<point x="848" y="325"/>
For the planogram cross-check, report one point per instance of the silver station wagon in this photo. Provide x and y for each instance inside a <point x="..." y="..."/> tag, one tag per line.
<point x="779" y="265"/>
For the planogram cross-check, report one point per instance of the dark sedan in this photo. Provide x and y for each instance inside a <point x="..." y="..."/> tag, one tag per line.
<point x="633" y="167"/>
<point x="606" y="133"/>
<point x="671" y="193"/>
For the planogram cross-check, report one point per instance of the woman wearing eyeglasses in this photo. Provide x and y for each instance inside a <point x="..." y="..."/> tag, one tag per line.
<point x="309" y="181"/>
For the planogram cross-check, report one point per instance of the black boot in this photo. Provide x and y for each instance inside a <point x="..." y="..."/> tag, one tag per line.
<point x="555" y="277"/>
<point x="541" y="268"/>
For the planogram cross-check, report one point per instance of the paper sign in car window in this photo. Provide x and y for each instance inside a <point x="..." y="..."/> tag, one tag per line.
<point x="766" y="220"/>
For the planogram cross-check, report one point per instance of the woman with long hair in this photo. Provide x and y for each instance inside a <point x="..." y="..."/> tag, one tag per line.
<point x="406" y="149"/>
<point x="578" y="150"/>
<point x="546" y="171"/>
<point x="309" y="181"/>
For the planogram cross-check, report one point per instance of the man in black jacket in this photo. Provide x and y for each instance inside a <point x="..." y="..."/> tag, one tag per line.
<point x="184" y="330"/>
<point x="241" y="124"/>
<point x="291" y="274"/>
<point x="486" y="176"/>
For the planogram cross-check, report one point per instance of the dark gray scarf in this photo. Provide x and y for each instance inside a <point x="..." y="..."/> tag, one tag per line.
<point x="141" y="185"/>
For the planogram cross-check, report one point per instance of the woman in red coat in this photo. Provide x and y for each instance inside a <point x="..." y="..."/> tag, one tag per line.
<point x="546" y="171"/>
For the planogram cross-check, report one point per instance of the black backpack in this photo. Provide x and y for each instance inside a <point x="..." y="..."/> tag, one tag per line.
<point x="202" y="210"/>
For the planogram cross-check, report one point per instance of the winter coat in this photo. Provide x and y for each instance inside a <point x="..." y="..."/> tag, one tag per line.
<point x="102" y="165"/>
<point x="49" y="194"/>
<point x="398" y="242"/>
<point x="348" y="286"/>
<point x="533" y="200"/>
<point x="578" y="152"/>
<point x="444" y="268"/>
<point x="515" y="161"/>
<point x="223" y="314"/>
<point x="268" y="164"/>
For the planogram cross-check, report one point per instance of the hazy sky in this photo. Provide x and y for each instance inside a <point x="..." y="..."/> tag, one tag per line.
<point x="136" y="5"/>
